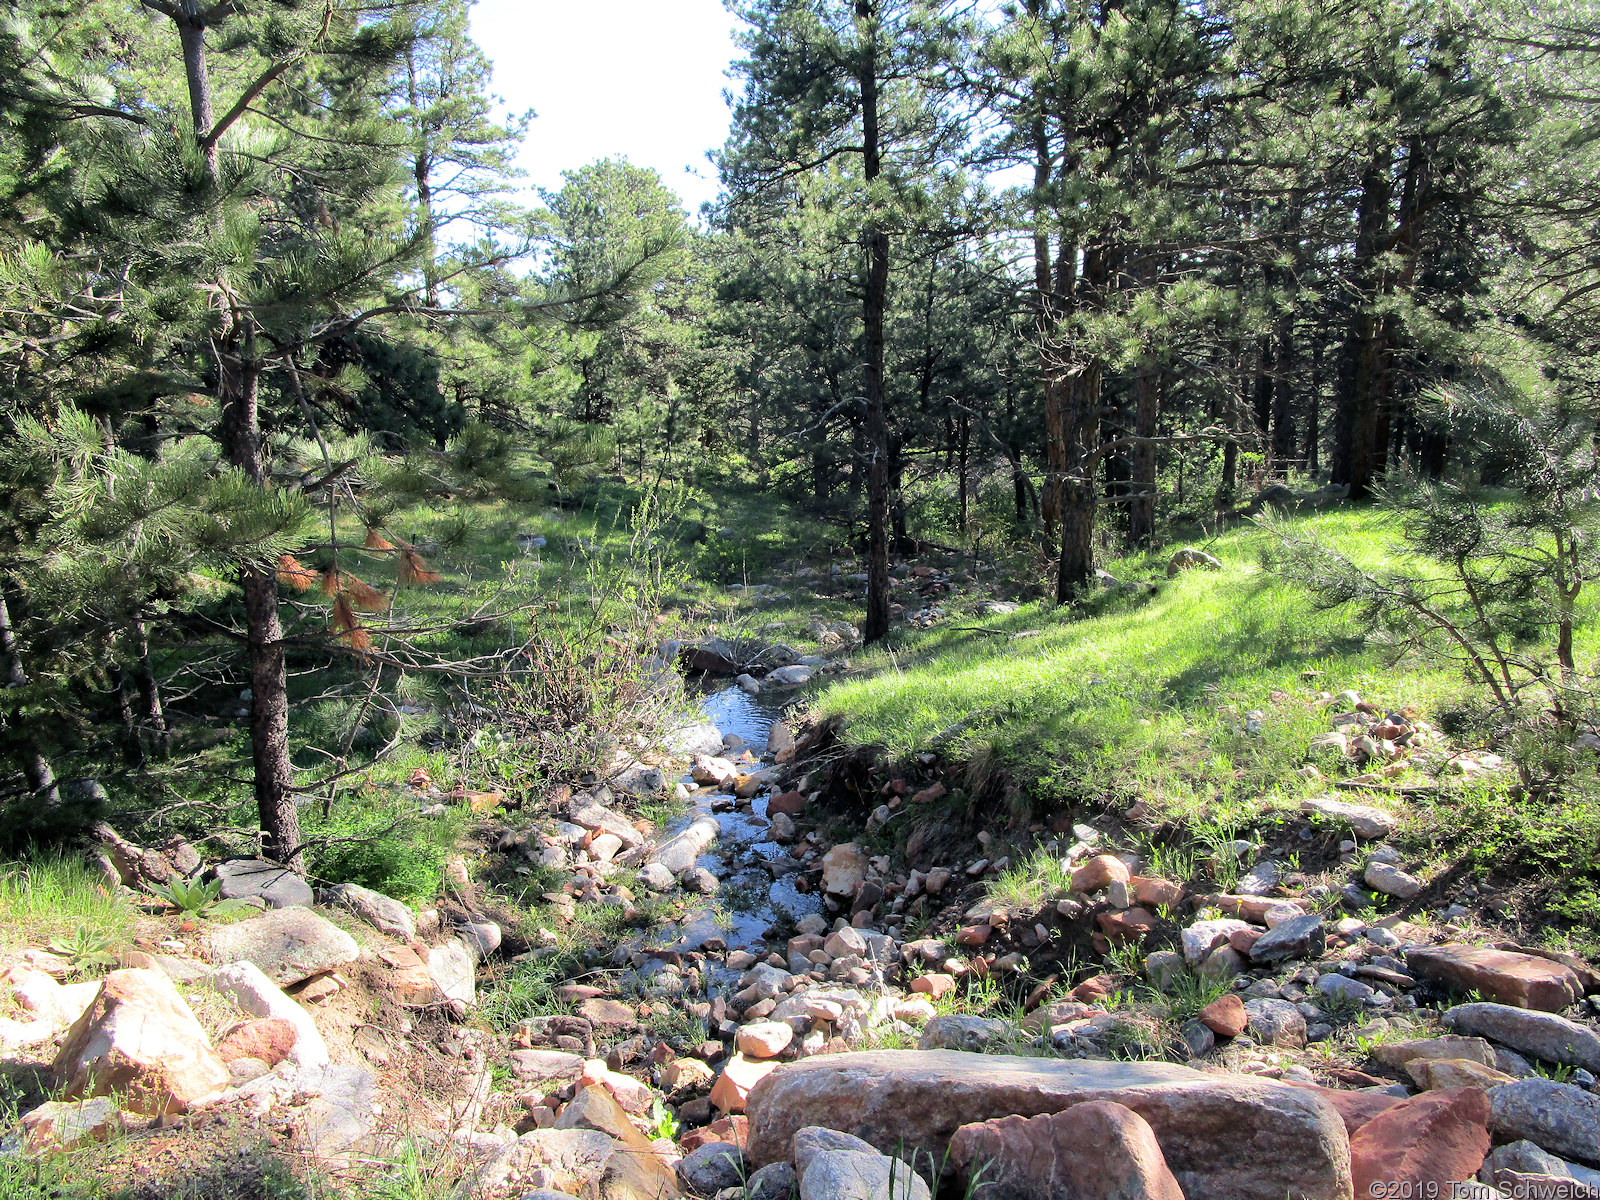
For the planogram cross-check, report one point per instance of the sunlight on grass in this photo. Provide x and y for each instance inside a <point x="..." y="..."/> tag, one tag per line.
<point x="55" y="896"/>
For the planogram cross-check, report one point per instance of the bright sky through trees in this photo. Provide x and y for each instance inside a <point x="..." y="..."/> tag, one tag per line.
<point x="640" y="78"/>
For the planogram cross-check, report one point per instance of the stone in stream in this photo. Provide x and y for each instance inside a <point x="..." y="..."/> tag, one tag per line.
<point x="1543" y="1035"/>
<point x="678" y="853"/>
<point x="701" y="738"/>
<point x="1225" y="1137"/>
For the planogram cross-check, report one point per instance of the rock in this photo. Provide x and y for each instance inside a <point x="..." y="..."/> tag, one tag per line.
<point x="1340" y="989"/>
<point x="789" y="676"/>
<point x="67" y="1122"/>
<point x="1198" y="1040"/>
<point x="1164" y="969"/>
<point x="678" y="853"/>
<point x="1098" y="1150"/>
<point x="53" y="1005"/>
<point x="1129" y="926"/>
<point x="289" y="944"/>
<point x="935" y="984"/>
<point x="139" y="1040"/>
<point x="481" y="938"/>
<point x="1421" y="1145"/>
<point x="636" y="1171"/>
<point x="1225" y="1016"/>
<point x="384" y="914"/>
<point x="702" y="738"/>
<point x="342" y="1108"/>
<point x="1224" y="1137"/>
<point x="1563" y="1119"/>
<point x="573" y="1161"/>
<point x="683" y="1074"/>
<point x="607" y="1015"/>
<point x="790" y="804"/>
<point x="1398" y="1054"/>
<point x="780" y="737"/>
<point x="1434" y="1074"/>
<point x="1364" y="820"/>
<point x="837" y="1166"/>
<point x="1355" y="1109"/>
<point x="656" y="877"/>
<point x="451" y="968"/>
<point x="1276" y="1023"/>
<point x="1392" y="881"/>
<point x="598" y="819"/>
<point x="269" y="1039"/>
<point x="775" y="1181"/>
<point x="256" y="878"/>
<point x="1204" y="936"/>
<point x="1525" y="1157"/>
<point x="410" y="982"/>
<point x="1222" y="964"/>
<point x="1303" y="936"/>
<point x="1188" y="559"/>
<point x="1260" y="880"/>
<point x="1100" y="872"/>
<point x="764" y="1039"/>
<point x="699" y="881"/>
<point x="1544" y="1035"/>
<point x="731" y="1092"/>
<point x="250" y="989"/>
<point x="541" y="1066"/>
<point x="962" y="1033"/>
<point x="711" y="769"/>
<point x="708" y="1169"/>
<point x="1518" y="980"/>
<point x="844" y="869"/>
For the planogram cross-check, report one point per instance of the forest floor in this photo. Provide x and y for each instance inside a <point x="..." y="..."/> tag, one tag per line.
<point x="1058" y="834"/>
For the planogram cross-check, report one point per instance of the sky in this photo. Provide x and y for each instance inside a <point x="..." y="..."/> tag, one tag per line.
<point x="641" y="79"/>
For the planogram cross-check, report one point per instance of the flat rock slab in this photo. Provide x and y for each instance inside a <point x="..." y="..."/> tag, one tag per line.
<point x="1520" y="980"/>
<point x="677" y="854"/>
<point x="1093" y="1151"/>
<point x="255" y="878"/>
<point x="383" y="913"/>
<point x="1225" y="1137"/>
<point x="289" y="944"/>
<point x="1541" y="1034"/>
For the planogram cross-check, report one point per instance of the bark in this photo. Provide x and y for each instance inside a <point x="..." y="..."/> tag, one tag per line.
<point x="963" y="438"/>
<point x="1079" y="502"/>
<point x="35" y="766"/>
<point x="1357" y="389"/>
<point x="1313" y="411"/>
<point x="875" y="246"/>
<point x="1283" y="397"/>
<point x="1147" y="412"/>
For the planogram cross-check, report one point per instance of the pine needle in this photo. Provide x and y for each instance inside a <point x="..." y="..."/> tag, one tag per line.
<point x="376" y="541"/>
<point x="414" y="570"/>
<point x="343" y="585"/>
<point x="292" y="573"/>
<point x="351" y="631"/>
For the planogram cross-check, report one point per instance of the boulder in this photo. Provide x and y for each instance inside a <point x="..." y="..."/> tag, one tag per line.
<point x="140" y="1040"/>
<point x="257" y="879"/>
<point x="60" y="1123"/>
<point x="1398" y="1054"/>
<point x="1518" y="980"/>
<point x="341" y="1109"/>
<point x="830" y="1165"/>
<point x="1422" y="1145"/>
<point x="269" y="1039"/>
<point x="678" y="853"/>
<point x="1098" y="1150"/>
<point x="1276" y="1023"/>
<point x="1564" y="1119"/>
<point x="702" y="738"/>
<point x="1225" y="1137"/>
<point x="1435" y="1074"/>
<point x="1188" y="559"/>
<point x="596" y="818"/>
<point x="1355" y="1109"/>
<point x="451" y="968"/>
<point x="775" y="1181"/>
<point x="574" y="1161"/>
<point x="636" y="1172"/>
<point x="707" y="1169"/>
<point x="1392" y="881"/>
<point x="1364" y="820"/>
<point x="383" y="913"/>
<point x="731" y="1092"/>
<point x="844" y="869"/>
<point x="250" y="989"/>
<point x="1542" y="1034"/>
<point x="1302" y="936"/>
<point x="288" y="944"/>
<point x="764" y="1039"/>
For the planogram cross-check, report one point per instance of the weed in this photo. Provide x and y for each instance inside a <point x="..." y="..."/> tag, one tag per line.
<point x="195" y="898"/>
<point x="1558" y="1072"/>
<point x="55" y="896"/>
<point x="85" y="950"/>
<point x="663" y="1124"/>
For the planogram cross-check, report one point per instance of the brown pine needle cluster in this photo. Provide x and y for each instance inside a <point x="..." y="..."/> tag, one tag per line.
<point x="344" y="586"/>
<point x="376" y="541"/>
<point x="414" y="570"/>
<point x="292" y="573"/>
<point x="349" y="627"/>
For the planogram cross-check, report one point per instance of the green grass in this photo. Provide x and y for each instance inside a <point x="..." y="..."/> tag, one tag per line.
<point x="1141" y="695"/>
<point x="54" y="896"/>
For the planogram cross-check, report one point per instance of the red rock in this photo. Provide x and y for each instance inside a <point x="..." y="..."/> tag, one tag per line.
<point x="1147" y="889"/>
<point x="934" y="984"/>
<point x="607" y="1014"/>
<point x="269" y="1038"/>
<point x="1520" y="980"/>
<point x="573" y="993"/>
<point x="1098" y="1150"/>
<point x="1247" y="908"/>
<point x="1127" y="926"/>
<point x="1427" y="1142"/>
<point x="792" y="803"/>
<point x="1225" y="1016"/>
<point x="1355" y="1109"/>
<point x="1101" y="871"/>
<point x="973" y="935"/>
<point x="1242" y="939"/>
<point x="936" y="791"/>
<point x="1096" y="987"/>
<point x="410" y="981"/>
<point x="739" y="1075"/>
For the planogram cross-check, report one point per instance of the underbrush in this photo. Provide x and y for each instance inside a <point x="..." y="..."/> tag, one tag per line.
<point x="50" y="897"/>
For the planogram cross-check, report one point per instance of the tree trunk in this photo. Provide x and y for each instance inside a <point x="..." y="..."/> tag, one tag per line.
<point x="1356" y="457"/>
<point x="963" y="438"/>
<point x="875" y="246"/>
<point x="1147" y="412"/>
<point x="1079" y="502"/>
<point x="35" y="766"/>
<point x="1283" y="397"/>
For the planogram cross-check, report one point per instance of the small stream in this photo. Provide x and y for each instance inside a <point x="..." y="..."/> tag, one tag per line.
<point x="749" y="900"/>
